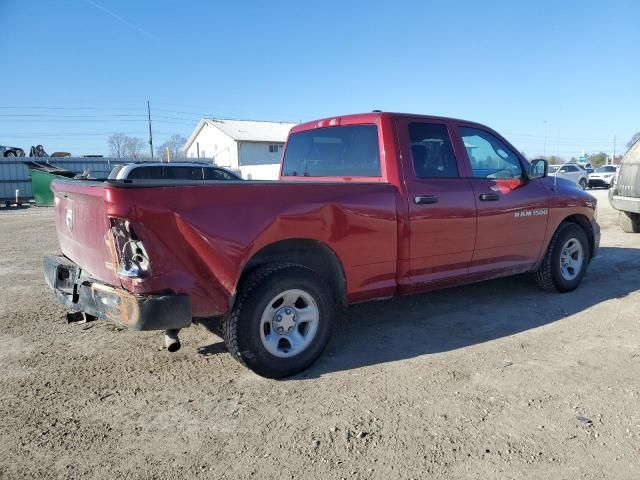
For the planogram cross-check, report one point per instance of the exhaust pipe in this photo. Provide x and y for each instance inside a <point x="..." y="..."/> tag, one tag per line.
<point x="171" y="340"/>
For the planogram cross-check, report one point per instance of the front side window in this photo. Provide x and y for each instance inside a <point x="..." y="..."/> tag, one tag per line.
<point x="217" y="174"/>
<point x="347" y="151"/>
<point x="431" y="151"/>
<point x="489" y="156"/>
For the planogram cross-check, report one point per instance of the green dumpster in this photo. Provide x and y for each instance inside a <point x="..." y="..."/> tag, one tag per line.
<point x="42" y="174"/>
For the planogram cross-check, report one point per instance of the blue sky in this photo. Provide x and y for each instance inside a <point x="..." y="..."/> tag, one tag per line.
<point x="75" y="71"/>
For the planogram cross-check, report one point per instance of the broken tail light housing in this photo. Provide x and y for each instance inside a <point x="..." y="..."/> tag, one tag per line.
<point x="133" y="261"/>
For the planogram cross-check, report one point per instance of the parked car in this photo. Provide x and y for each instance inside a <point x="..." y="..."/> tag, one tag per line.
<point x="11" y="151"/>
<point x="171" y="171"/>
<point x="586" y="166"/>
<point x="625" y="195"/>
<point x="602" y="176"/>
<point x="570" y="172"/>
<point x="368" y="206"/>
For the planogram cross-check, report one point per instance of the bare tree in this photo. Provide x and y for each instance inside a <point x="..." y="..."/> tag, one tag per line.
<point x="598" y="159"/>
<point x="117" y="143"/>
<point x="134" y="146"/>
<point x="122" y="146"/>
<point x="174" y="147"/>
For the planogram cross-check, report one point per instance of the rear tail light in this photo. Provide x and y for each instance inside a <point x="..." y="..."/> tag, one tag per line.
<point x="133" y="261"/>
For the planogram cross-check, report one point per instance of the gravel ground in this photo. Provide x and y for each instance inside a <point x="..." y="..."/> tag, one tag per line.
<point x="494" y="380"/>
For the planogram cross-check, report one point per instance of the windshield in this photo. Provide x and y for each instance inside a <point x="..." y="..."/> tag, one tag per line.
<point x="606" y="169"/>
<point x="553" y="168"/>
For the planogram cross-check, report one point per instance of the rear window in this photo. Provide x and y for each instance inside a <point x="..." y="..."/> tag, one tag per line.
<point x="348" y="151"/>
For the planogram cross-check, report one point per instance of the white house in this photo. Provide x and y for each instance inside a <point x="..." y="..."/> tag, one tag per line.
<point x="251" y="147"/>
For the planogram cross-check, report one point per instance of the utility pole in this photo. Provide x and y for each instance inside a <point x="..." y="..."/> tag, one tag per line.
<point x="614" y="150"/>
<point x="545" y="140"/>
<point x="150" y="135"/>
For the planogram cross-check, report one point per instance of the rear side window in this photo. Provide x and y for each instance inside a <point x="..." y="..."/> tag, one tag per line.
<point x="348" y="151"/>
<point x="431" y="151"/>
<point x="146" y="173"/>
<point x="183" y="173"/>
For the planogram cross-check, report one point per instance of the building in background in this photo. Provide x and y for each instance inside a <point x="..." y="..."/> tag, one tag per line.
<point x="252" y="148"/>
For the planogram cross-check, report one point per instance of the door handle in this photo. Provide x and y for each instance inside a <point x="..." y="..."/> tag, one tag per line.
<point x="426" y="199"/>
<point x="489" y="197"/>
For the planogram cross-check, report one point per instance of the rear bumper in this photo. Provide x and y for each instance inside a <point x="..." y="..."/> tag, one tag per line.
<point x="626" y="204"/>
<point x="137" y="312"/>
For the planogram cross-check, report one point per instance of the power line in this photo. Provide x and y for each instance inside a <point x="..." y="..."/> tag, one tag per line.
<point x="71" y="135"/>
<point x="13" y="107"/>
<point x="553" y="138"/>
<point x="49" y="115"/>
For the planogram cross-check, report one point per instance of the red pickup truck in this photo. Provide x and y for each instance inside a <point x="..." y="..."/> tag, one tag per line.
<point x="367" y="207"/>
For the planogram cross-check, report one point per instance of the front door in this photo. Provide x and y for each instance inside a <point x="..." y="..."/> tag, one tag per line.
<point x="512" y="210"/>
<point x="441" y="205"/>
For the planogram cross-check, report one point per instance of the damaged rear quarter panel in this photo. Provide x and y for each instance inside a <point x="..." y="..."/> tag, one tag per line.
<point x="199" y="237"/>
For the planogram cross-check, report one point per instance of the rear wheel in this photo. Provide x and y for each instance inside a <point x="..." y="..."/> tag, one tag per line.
<point x="629" y="222"/>
<point x="583" y="183"/>
<point x="281" y="320"/>
<point x="566" y="260"/>
<point x="10" y="154"/>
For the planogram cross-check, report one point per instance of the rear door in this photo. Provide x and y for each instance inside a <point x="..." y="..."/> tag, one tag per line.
<point x="573" y="173"/>
<point x="441" y="205"/>
<point x="512" y="210"/>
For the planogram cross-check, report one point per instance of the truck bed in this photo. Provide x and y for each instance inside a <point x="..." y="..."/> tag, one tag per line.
<point x="199" y="236"/>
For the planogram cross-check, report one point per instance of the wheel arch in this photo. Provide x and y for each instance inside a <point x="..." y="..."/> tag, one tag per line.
<point x="314" y="254"/>
<point x="584" y="222"/>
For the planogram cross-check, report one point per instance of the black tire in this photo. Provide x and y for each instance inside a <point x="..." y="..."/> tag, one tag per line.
<point x="583" y="183"/>
<point x="629" y="222"/>
<point x="549" y="276"/>
<point x="10" y="154"/>
<point x="242" y="325"/>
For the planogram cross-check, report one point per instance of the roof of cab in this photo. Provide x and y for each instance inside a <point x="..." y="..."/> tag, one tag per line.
<point x="368" y="117"/>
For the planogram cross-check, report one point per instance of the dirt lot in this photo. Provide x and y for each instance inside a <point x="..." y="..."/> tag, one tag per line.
<point x="495" y="380"/>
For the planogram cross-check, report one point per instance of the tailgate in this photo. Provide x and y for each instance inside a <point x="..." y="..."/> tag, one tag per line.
<point x="82" y="226"/>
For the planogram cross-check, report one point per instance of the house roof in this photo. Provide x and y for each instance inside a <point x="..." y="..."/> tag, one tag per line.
<point x="245" y="130"/>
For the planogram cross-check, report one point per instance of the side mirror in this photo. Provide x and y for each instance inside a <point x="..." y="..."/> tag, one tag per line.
<point x="539" y="169"/>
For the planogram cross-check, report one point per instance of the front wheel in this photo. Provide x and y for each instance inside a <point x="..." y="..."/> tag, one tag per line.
<point x="583" y="183"/>
<point x="566" y="260"/>
<point x="281" y="320"/>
